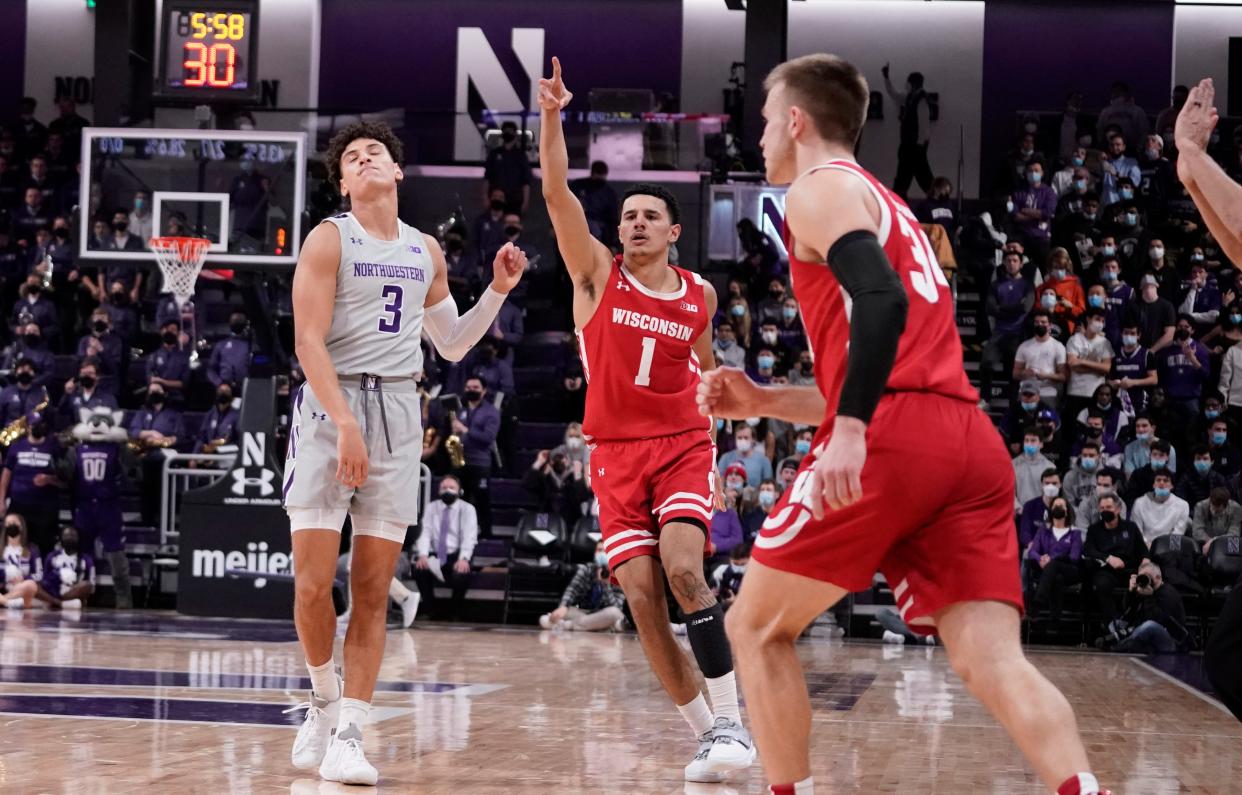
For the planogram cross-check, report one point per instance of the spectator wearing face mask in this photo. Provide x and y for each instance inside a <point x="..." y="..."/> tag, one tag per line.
<point x="477" y="423"/>
<point x="32" y="215"/>
<point x="731" y="577"/>
<point x="1160" y="512"/>
<point x="1041" y="358"/>
<point x="1201" y="428"/>
<point x="769" y="340"/>
<point x="1089" y="357"/>
<point x="1072" y="181"/>
<point x="1112" y="551"/>
<point x="141" y="225"/>
<point x="591" y="602"/>
<point x="803" y="373"/>
<point x="1226" y="458"/>
<point x="574" y="447"/>
<point x="103" y="346"/>
<point x="1023" y="413"/>
<point x="749" y="454"/>
<point x="462" y="267"/>
<point x="726" y="530"/>
<point x="739" y="316"/>
<point x="169" y="365"/>
<point x="766" y="363"/>
<point x="1013" y="177"/>
<point x="765" y="499"/>
<point x="1156" y="317"/>
<point x="19" y="399"/>
<point x="939" y="207"/>
<point x="230" y="357"/>
<point x="728" y="352"/>
<point x="1138" y="452"/>
<point x="449" y="535"/>
<point x="1134" y="371"/>
<point x="489" y="227"/>
<point x="83" y="392"/>
<point x="1034" y="511"/>
<point x="30" y="347"/>
<point x="1107" y="481"/>
<point x="557" y="485"/>
<point x="1215" y="516"/>
<point x="1166" y="273"/>
<point x="121" y="239"/>
<point x="483" y="361"/>
<point x="735" y="477"/>
<point x="1230" y="384"/>
<point x="1116" y="420"/>
<point x="1201" y="301"/>
<point x="1197" y="483"/>
<point x="1183" y="369"/>
<point x="1052" y="560"/>
<point x="1111" y="453"/>
<point x="1009" y="300"/>
<point x="1156" y="178"/>
<point x="40" y="309"/>
<point x="157" y="427"/>
<point x="789" y="327"/>
<point x="1028" y="469"/>
<point x="220" y="421"/>
<point x="1080" y="479"/>
<point x="1034" y="207"/>
<point x="1160" y="459"/>
<point x="1070" y="300"/>
<point x="1118" y="294"/>
<point x="23" y="567"/>
<point x="68" y="573"/>
<point x="121" y="314"/>
<point x="507" y="168"/>
<point x="1117" y="166"/>
<point x="30" y="480"/>
<point x="772" y="306"/>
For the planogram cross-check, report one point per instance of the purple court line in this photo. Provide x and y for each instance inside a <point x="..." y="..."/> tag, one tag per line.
<point x="134" y="677"/>
<point x="157" y="709"/>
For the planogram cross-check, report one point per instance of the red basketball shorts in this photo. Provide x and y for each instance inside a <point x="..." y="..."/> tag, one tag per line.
<point x="644" y="484"/>
<point x="936" y="516"/>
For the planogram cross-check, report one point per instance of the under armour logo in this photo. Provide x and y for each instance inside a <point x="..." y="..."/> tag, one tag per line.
<point x="621" y="285"/>
<point x="315" y="415"/>
<point x="263" y="483"/>
<point x="601" y="472"/>
<point x="357" y="241"/>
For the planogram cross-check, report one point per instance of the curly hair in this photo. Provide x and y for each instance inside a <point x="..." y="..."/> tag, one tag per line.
<point x="376" y="130"/>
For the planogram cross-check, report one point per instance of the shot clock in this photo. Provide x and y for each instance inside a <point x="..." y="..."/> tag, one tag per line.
<point x="207" y="50"/>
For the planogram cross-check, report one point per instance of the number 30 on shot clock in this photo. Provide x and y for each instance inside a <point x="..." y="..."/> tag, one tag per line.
<point x="208" y="50"/>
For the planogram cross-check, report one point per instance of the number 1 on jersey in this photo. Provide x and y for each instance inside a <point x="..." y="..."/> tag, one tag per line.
<point x="644" y="367"/>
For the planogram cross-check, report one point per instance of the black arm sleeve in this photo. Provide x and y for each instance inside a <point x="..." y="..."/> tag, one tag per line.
<point x="877" y="319"/>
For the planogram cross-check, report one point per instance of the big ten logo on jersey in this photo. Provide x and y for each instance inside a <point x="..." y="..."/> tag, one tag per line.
<point x="930" y="278"/>
<point x="481" y="74"/>
<point x="253" y="482"/>
<point x="686" y="306"/>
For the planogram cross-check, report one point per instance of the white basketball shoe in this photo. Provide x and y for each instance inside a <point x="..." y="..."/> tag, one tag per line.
<point x="316" y="729"/>
<point x="345" y="761"/>
<point x="732" y="747"/>
<point x="698" y="769"/>
<point x="409" y="608"/>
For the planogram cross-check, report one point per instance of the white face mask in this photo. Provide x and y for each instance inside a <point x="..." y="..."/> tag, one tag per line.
<point x="574" y="442"/>
<point x="745" y="445"/>
<point x="1097" y="327"/>
<point x="738" y="568"/>
<point x="1051" y="491"/>
<point x="753" y="421"/>
<point x="1155" y="252"/>
<point x="769" y="337"/>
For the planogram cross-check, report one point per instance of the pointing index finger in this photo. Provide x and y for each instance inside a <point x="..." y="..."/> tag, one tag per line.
<point x="556" y="68"/>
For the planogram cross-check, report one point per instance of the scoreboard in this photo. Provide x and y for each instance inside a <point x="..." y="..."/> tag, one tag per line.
<point x="208" y="51"/>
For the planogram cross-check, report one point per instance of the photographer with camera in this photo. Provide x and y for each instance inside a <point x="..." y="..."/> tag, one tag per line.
<point x="1154" y="621"/>
<point x="591" y="602"/>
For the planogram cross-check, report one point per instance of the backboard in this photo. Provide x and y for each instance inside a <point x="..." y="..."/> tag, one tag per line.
<point x="243" y="190"/>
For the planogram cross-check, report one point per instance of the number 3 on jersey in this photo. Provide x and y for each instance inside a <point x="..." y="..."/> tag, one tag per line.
<point x="393" y="294"/>
<point x="928" y="282"/>
<point x="644" y="365"/>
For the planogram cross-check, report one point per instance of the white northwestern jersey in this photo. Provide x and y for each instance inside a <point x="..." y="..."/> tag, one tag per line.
<point x="381" y="287"/>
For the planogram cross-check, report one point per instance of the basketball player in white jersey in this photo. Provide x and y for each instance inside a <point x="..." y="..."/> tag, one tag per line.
<point x="366" y="287"/>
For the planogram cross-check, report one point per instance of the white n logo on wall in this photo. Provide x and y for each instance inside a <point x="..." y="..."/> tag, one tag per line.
<point x="478" y="66"/>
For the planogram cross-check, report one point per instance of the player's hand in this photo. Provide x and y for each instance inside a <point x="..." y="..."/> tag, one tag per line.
<point x="728" y="393"/>
<point x="541" y="460"/>
<point x="559" y="614"/>
<point x="1198" y="118"/>
<point x="459" y="427"/>
<point x="836" y="478"/>
<point x="718" y="496"/>
<point x="462" y="566"/>
<point x="422" y="563"/>
<point x="1044" y="560"/>
<point x="507" y="268"/>
<point x="351" y="454"/>
<point x="552" y="92"/>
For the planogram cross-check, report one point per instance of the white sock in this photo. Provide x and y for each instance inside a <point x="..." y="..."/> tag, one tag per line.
<point x="323" y="680"/>
<point x="72" y="604"/>
<point x="353" y="711"/>
<point x="723" y="690"/>
<point x="698" y="715"/>
<point x="397" y="591"/>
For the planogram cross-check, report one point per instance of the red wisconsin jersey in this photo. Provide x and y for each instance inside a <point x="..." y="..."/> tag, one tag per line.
<point x="929" y="354"/>
<point x="638" y="358"/>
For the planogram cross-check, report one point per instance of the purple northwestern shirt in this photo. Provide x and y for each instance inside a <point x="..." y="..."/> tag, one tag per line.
<point x="97" y="471"/>
<point x="1042" y="198"/>
<point x="1181" y="379"/>
<point x="1069" y="547"/>
<point x="27" y="459"/>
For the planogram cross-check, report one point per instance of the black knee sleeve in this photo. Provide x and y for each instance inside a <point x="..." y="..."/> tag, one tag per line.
<point x="706" y="633"/>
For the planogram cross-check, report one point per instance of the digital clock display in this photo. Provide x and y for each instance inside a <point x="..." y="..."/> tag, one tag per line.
<point x="208" y="49"/>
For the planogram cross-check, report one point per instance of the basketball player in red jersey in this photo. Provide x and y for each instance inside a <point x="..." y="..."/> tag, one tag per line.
<point x="644" y="328"/>
<point x="906" y="475"/>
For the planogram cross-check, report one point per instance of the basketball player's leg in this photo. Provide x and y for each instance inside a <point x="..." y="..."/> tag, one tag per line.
<point x="642" y="580"/>
<point x="314" y="569"/>
<point x="983" y="642"/>
<point x="371" y="574"/>
<point x="769" y="614"/>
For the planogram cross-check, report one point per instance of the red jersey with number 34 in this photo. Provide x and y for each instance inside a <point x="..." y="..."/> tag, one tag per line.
<point x="929" y="354"/>
<point x="639" y="360"/>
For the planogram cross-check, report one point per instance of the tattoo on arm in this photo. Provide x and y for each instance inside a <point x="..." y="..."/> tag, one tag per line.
<point x="692" y="590"/>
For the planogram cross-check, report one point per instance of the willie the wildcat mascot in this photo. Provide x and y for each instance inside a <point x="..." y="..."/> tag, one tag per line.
<point x="97" y="479"/>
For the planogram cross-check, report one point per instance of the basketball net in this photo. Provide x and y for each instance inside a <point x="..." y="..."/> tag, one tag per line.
<point x="181" y="259"/>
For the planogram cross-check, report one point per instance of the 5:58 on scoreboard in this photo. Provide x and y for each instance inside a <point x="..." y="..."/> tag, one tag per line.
<point x="207" y="50"/>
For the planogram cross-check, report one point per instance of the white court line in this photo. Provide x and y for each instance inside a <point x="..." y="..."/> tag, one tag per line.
<point x="1192" y="691"/>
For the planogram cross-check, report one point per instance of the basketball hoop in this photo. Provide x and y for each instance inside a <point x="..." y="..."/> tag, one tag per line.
<point x="180" y="259"/>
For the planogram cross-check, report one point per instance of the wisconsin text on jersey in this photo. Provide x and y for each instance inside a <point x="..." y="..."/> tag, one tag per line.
<point x="627" y="317"/>
<point x="383" y="271"/>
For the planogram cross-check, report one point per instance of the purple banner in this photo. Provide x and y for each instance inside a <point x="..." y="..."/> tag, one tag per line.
<point x="380" y="54"/>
